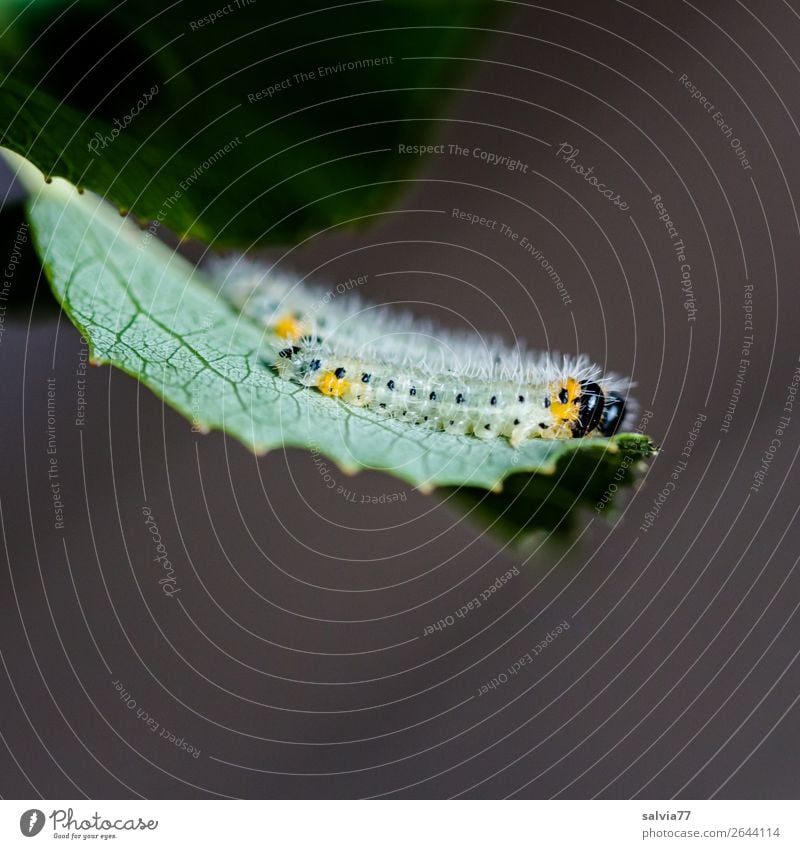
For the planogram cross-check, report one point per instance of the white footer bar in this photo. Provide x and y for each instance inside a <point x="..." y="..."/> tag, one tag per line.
<point x="401" y="824"/>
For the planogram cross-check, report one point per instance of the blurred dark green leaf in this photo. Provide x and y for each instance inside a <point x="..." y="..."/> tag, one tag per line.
<point x="591" y="478"/>
<point x="171" y="115"/>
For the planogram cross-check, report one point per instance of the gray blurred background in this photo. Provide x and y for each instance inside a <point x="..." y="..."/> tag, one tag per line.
<point x="295" y="657"/>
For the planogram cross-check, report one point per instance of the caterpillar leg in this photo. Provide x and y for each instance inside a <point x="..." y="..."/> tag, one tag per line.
<point x="519" y="434"/>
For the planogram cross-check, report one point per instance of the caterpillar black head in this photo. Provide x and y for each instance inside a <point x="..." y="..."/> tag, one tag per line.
<point x="613" y="414"/>
<point x="590" y="408"/>
<point x="598" y="411"/>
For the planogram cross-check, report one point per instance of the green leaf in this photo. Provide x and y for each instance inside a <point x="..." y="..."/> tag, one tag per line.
<point x="147" y="311"/>
<point x="274" y="120"/>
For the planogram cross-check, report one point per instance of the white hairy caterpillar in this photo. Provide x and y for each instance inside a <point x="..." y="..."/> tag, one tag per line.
<point x="401" y="367"/>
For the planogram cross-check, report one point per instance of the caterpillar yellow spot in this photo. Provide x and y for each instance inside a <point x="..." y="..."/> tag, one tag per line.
<point x="564" y="400"/>
<point x="330" y="384"/>
<point x="289" y="328"/>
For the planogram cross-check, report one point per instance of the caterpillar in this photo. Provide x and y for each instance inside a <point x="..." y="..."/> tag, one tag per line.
<point x="408" y="369"/>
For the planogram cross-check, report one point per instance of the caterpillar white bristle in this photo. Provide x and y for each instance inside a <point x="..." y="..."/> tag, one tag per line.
<point x="412" y="369"/>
